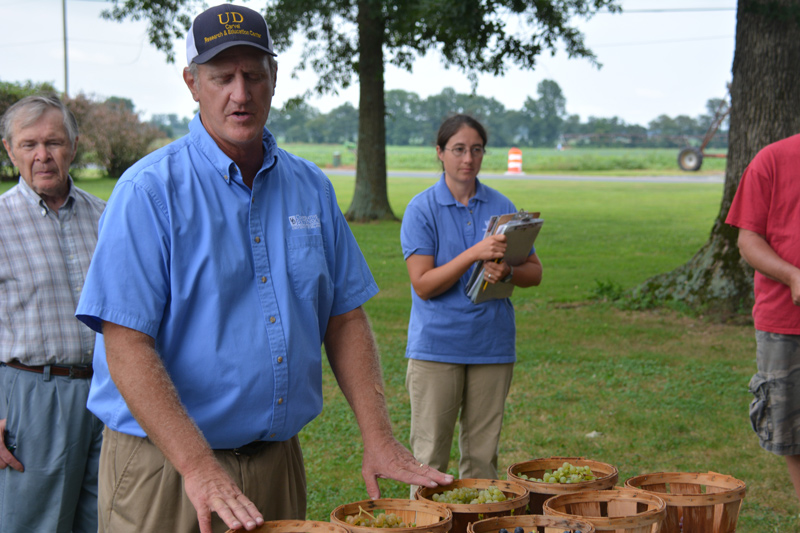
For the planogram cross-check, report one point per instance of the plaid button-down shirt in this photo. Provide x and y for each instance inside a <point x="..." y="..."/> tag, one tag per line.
<point x="44" y="256"/>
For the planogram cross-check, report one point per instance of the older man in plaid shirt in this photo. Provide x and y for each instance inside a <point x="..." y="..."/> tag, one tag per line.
<point x="49" y="442"/>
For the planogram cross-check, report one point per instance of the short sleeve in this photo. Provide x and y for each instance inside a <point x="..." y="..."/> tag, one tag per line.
<point x="751" y="203"/>
<point x="128" y="279"/>
<point x="417" y="232"/>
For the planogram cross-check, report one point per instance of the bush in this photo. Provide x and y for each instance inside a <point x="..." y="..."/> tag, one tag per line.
<point x="113" y="137"/>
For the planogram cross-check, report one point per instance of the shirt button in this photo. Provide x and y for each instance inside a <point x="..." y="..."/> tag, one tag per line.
<point x="469" y="223"/>
<point x="280" y="401"/>
<point x="258" y="239"/>
<point x="272" y="436"/>
<point x="263" y="279"/>
<point x="253" y="200"/>
<point x="272" y="320"/>
<point x="280" y="359"/>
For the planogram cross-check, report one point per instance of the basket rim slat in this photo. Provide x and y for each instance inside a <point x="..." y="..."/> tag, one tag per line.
<point x="726" y="488"/>
<point x="291" y="526"/>
<point x="653" y="515"/>
<point x="497" y="522"/>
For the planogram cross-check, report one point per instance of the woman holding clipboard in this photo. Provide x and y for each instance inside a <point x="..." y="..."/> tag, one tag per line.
<point x="460" y="355"/>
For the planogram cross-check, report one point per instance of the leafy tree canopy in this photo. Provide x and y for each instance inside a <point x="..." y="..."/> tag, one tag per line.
<point x="473" y="35"/>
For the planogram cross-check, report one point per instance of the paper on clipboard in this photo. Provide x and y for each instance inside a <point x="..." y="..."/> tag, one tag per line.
<point x="521" y="230"/>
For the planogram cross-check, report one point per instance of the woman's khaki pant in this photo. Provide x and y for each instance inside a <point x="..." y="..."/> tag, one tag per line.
<point x="438" y="393"/>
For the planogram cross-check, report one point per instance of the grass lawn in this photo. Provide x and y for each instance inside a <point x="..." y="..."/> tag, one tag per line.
<point x="666" y="392"/>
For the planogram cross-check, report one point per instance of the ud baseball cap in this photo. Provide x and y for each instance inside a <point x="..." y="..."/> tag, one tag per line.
<point x="218" y="28"/>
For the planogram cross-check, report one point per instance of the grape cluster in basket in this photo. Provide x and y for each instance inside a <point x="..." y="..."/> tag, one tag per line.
<point x="566" y="473"/>
<point x="366" y="519"/>
<point x="520" y="529"/>
<point x="470" y="495"/>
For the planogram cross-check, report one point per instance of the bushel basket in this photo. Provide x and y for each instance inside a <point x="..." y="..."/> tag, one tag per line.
<point x="607" y="476"/>
<point x="427" y="517"/>
<point x="696" y="502"/>
<point x="516" y="502"/>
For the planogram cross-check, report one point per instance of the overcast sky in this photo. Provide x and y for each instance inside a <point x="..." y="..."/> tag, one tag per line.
<point x="659" y="57"/>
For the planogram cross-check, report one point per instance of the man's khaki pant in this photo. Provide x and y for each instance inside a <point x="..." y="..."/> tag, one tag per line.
<point x="140" y="491"/>
<point x="438" y="392"/>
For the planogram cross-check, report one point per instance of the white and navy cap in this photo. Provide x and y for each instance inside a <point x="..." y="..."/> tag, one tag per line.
<point x="223" y="26"/>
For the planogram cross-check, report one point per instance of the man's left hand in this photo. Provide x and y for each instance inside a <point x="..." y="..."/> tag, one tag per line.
<point x="391" y="460"/>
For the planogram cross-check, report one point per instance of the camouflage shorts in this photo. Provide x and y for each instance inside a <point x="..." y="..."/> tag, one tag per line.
<point x="775" y="409"/>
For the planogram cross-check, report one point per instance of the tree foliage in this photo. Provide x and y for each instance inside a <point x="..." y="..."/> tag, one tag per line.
<point x="542" y="122"/>
<point x="345" y="39"/>
<point x="112" y="133"/>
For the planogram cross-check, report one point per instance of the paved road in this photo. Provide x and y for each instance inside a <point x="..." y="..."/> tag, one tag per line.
<point x="628" y="179"/>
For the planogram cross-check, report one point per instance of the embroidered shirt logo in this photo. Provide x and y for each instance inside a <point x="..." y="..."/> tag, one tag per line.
<point x="304" y="221"/>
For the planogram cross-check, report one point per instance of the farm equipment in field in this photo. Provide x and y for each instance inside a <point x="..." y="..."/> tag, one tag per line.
<point x="691" y="158"/>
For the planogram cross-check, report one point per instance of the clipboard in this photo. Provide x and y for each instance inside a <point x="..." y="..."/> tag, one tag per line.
<point x="521" y="230"/>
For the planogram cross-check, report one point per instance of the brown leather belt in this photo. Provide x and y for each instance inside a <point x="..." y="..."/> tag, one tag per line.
<point x="72" y="372"/>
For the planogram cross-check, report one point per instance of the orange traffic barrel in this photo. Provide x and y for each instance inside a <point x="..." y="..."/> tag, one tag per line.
<point x="514" y="161"/>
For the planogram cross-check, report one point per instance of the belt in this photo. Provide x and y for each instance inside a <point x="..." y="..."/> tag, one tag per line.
<point x="72" y="372"/>
<point x="249" y="449"/>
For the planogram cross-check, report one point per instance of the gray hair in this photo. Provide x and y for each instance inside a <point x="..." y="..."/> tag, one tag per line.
<point x="28" y="110"/>
<point x="269" y="62"/>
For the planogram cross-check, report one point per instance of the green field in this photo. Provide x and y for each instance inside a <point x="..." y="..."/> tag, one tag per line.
<point x="666" y="392"/>
<point x="596" y="161"/>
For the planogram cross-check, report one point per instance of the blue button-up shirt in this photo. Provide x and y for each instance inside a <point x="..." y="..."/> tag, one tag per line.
<point x="449" y="328"/>
<point x="235" y="286"/>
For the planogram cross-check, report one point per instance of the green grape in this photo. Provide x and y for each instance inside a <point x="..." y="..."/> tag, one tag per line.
<point x="381" y="520"/>
<point x="566" y="473"/>
<point x="463" y="495"/>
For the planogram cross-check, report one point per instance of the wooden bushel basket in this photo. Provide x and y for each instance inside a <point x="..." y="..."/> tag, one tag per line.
<point x="531" y="524"/>
<point x="429" y="517"/>
<point x="516" y="502"/>
<point x="618" y="510"/>
<point x="607" y="476"/>
<point x="295" y="526"/>
<point x="701" y="503"/>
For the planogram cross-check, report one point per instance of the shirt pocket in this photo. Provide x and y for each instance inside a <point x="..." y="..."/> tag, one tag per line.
<point x="308" y="270"/>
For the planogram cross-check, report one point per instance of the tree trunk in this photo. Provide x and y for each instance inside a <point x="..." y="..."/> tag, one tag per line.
<point x="370" y="199"/>
<point x="765" y="107"/>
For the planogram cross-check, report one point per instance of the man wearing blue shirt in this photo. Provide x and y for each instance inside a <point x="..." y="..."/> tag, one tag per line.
<point x="223" y="264"/>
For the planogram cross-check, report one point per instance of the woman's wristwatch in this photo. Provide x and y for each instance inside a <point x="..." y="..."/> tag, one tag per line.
<point x="507" y="279"/>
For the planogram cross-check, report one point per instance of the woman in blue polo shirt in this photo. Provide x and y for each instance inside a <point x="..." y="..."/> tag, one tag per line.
<point x="460" y="355"/>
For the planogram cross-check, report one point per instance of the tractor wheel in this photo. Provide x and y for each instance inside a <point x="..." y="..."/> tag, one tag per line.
<point x="690" y="159"/>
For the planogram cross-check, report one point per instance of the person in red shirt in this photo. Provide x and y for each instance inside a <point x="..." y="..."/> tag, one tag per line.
<point x="766" y="209"/>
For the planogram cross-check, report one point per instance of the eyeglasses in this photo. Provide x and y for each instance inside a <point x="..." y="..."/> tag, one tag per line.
<point x="475" y="151"/>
